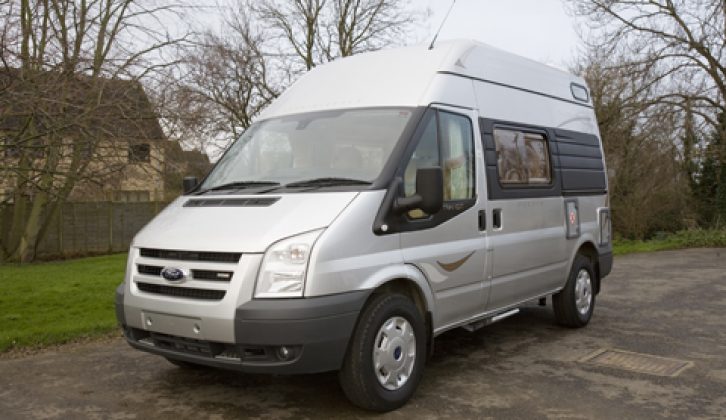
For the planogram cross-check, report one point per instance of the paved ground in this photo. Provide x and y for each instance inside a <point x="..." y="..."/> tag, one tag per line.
<point x="670" y="304"/>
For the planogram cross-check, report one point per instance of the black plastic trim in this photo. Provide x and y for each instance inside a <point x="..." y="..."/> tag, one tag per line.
<point x="396" y="223"/>
<point x="119" y="304"/>
<point x="181" y="292"/>
<point x="320" y="326"/>
<point x="495" y="189"/>
<point x="574" y="87"/>
<point x="605" y="263"/>
<point x="302" y="308"/>
<point x="173" y="254"/>
<point x="232" y="202"/>
<point x="576" y="163"/>
<point x="317" y="329"/>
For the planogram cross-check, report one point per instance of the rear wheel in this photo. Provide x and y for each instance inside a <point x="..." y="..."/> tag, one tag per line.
<point x="385" y="360"/>
<point x="575" y="303"/>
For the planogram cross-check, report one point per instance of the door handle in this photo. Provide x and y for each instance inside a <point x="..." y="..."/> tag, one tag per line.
<point x="482" y="220"/>
<point x="497" y="219"/>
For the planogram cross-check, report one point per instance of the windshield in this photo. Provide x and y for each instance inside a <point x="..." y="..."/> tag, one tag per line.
<point x="350" y="146"/>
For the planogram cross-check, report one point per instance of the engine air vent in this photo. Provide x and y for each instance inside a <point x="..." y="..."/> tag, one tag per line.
<point x="232" y="202"/>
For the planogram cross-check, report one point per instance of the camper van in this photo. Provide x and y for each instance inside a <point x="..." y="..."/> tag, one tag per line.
<point x="381" y="201"/>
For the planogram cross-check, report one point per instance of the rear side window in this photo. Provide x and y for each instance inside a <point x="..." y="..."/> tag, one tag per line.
<point x="522" y="158"/>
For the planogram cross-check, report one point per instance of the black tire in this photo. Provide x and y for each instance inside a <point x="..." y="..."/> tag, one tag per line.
<point x="358" y="377"/>
<point x="565" y="302"/>
<point x="184" y="365"/>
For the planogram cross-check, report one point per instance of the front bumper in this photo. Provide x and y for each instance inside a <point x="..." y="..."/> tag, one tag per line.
<point x="314" y="331"/>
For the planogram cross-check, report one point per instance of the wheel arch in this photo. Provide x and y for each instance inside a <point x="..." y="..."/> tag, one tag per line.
<point x="588" y="249"/>
<point x="411" y="283"/>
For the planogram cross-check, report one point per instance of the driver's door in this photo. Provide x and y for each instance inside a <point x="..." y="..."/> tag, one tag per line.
<point x="450" y="246"/>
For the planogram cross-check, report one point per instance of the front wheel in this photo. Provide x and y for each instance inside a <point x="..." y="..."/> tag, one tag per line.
<point x="575" y="303"/>
<point x="385" y="360"/>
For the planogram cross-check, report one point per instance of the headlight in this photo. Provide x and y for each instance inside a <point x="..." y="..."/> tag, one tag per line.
<point x="284" y="267"/>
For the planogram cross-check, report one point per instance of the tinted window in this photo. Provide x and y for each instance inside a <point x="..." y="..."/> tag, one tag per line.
<point x="522" y="158"/>
<point x="330" y="144"/>
<point x="446" y="142"/>
<point x="457" y="147"/>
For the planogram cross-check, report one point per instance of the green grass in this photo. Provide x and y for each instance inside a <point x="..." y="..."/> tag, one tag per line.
<point x="53" y="303"/>
<point x="57" y="302"/>
<point x="684" y="239"/>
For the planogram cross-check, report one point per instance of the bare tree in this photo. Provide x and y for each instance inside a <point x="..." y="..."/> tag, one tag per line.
<point x="680" y="43"/>
<point x="60" y="102"/>
<point x="225" y="82"/>
<point x="647" y="190"/>
<point x="365" y="25"/>
<point x="676" y="51"/>
<point x="297" y="25"/>
<point x="229" y="76"/>
<point x="316" y="31"/>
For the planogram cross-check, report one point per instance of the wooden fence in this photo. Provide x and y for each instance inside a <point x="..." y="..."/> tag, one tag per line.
<point x="90" y="228"/>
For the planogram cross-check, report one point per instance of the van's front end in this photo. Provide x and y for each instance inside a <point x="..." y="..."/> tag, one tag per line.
<point x="244" y="271"/>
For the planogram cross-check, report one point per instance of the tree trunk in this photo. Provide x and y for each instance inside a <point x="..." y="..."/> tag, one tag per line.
<point x="29" y="241"/>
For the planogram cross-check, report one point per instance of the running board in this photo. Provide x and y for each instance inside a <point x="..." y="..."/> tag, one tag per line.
<point x="487" y="321"/>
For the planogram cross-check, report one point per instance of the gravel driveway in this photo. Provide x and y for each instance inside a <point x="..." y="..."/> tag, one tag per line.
<point x="670" y="304"/>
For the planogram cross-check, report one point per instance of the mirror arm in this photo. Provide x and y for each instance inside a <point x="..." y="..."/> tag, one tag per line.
<point x="404" y="204"/>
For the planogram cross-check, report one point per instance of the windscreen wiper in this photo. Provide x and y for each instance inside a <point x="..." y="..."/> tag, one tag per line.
<point x="238" y="185"/>
<point x="327" y="182"/>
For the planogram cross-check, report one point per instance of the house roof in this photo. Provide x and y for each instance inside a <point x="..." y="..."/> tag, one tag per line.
<point x="61" y="104"/>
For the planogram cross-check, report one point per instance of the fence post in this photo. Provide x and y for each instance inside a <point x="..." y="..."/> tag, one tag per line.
<point x="60" y="228"/>
<point x="110" y="226"/>
<point x="73" y="227"/>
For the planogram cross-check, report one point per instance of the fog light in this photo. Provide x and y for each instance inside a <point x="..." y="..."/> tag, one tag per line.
<point x="284" y="353"/>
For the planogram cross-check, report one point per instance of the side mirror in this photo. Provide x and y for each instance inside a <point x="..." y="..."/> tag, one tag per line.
<point x="189" y="183"/>
<point x="429" y="195"/>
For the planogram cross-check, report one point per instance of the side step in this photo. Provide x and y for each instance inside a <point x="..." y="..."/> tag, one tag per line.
<point x="487" y="321"/>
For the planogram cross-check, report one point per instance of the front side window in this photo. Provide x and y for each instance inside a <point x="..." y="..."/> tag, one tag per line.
<point x="522" y="158"/>
<point x="446" y="142"/>
<point x="350" y="144"/>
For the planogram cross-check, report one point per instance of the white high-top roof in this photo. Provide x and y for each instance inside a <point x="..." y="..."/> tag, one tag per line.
<point x="402" y="77"/>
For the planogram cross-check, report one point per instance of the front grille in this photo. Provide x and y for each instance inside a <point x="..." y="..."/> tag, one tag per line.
<point x="185" y="292"/>
<point x="212" y="275"/>
<point x="186" y="345"/>
<point x="169" y="254"/>
<point x="151" y="270"/>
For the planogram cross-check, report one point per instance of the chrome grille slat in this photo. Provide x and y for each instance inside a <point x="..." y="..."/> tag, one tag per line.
<point x="151" y="270"/>
<point x="182" y="292"/>
<point x="172" y="254"/>
<point x="212" y="275"/>
<point x="208" y="275"/>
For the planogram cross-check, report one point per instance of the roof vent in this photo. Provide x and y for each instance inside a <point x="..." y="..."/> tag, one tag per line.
<point x="232" y="202"/>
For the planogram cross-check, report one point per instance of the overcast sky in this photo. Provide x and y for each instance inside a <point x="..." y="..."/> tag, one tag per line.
<point x="537" y="29"/>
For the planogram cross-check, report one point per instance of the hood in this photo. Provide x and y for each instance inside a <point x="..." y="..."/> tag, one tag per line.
<point x="247" y="224"/>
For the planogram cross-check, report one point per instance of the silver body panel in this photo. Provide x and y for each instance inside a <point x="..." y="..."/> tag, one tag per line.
<point x="527" y="258"/>
<point x="214" y="318"/>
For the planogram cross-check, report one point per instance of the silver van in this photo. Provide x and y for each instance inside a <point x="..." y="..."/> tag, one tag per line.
<point x="382" y="200"/>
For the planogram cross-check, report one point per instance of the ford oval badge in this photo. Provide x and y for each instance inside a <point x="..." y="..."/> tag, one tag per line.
<point x="173" y="274"/>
